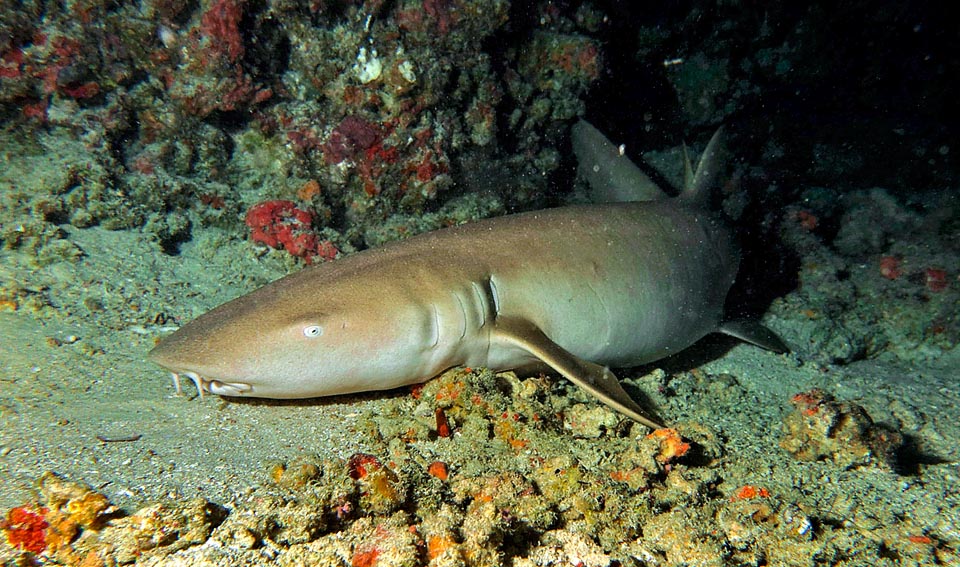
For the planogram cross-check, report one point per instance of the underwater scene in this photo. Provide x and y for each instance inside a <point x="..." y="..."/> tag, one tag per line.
<point x="478" y="283"/>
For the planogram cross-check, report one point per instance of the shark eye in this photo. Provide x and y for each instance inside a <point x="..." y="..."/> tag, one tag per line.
<point x="312" y="331"/>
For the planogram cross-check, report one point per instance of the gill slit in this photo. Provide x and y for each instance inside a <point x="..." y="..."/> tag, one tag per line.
<point x="463" y="315"/>
<point x="479" y="292"/>
<point x="494" y="296"/>
<point x="435" y="329"/>
<point x="488" y="300"/>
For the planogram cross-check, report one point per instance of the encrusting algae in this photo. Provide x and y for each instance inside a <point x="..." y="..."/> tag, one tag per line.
<point x="481" y="496"/>
<point x="821" y="427"/>
<point x="343" y="125"/>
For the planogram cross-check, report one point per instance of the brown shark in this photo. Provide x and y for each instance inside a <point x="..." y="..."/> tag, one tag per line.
<point x="577" y="289"/>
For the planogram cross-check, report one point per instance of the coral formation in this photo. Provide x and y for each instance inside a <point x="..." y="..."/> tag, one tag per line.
<point x="365" y="100"/>
<point x="874" y="288"/>
<point x="628" y="497"/>
<point x="822" y="428"/>
<point x="26" y="528"/>
<point x="280" y="224"/>
<point x="266" y="135"/>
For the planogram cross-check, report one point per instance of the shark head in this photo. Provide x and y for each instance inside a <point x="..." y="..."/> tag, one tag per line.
<point x="287" y="340"/>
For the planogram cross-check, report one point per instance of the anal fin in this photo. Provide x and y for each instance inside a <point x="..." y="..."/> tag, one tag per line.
<point x="594" y="378"/>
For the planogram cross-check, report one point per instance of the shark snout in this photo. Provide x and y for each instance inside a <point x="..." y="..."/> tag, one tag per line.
<point x="206" y="382"/>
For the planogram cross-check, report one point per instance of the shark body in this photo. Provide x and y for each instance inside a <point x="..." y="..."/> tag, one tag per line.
<point x="577" y="289"/>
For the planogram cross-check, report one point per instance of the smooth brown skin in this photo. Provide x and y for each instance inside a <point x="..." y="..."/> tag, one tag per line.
<point x="576" y="289"/>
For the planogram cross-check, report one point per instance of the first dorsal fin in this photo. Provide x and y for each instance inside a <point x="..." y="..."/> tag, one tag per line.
<point x="612" y="177"/>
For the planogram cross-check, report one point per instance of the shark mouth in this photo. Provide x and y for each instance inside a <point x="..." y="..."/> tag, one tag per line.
<point x="211" y="386"/>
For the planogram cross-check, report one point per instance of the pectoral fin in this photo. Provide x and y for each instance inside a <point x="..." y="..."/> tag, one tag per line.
<point x="596" y="379"/>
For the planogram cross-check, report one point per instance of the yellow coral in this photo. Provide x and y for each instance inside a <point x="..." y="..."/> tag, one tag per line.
<point x="88" y="509"/>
